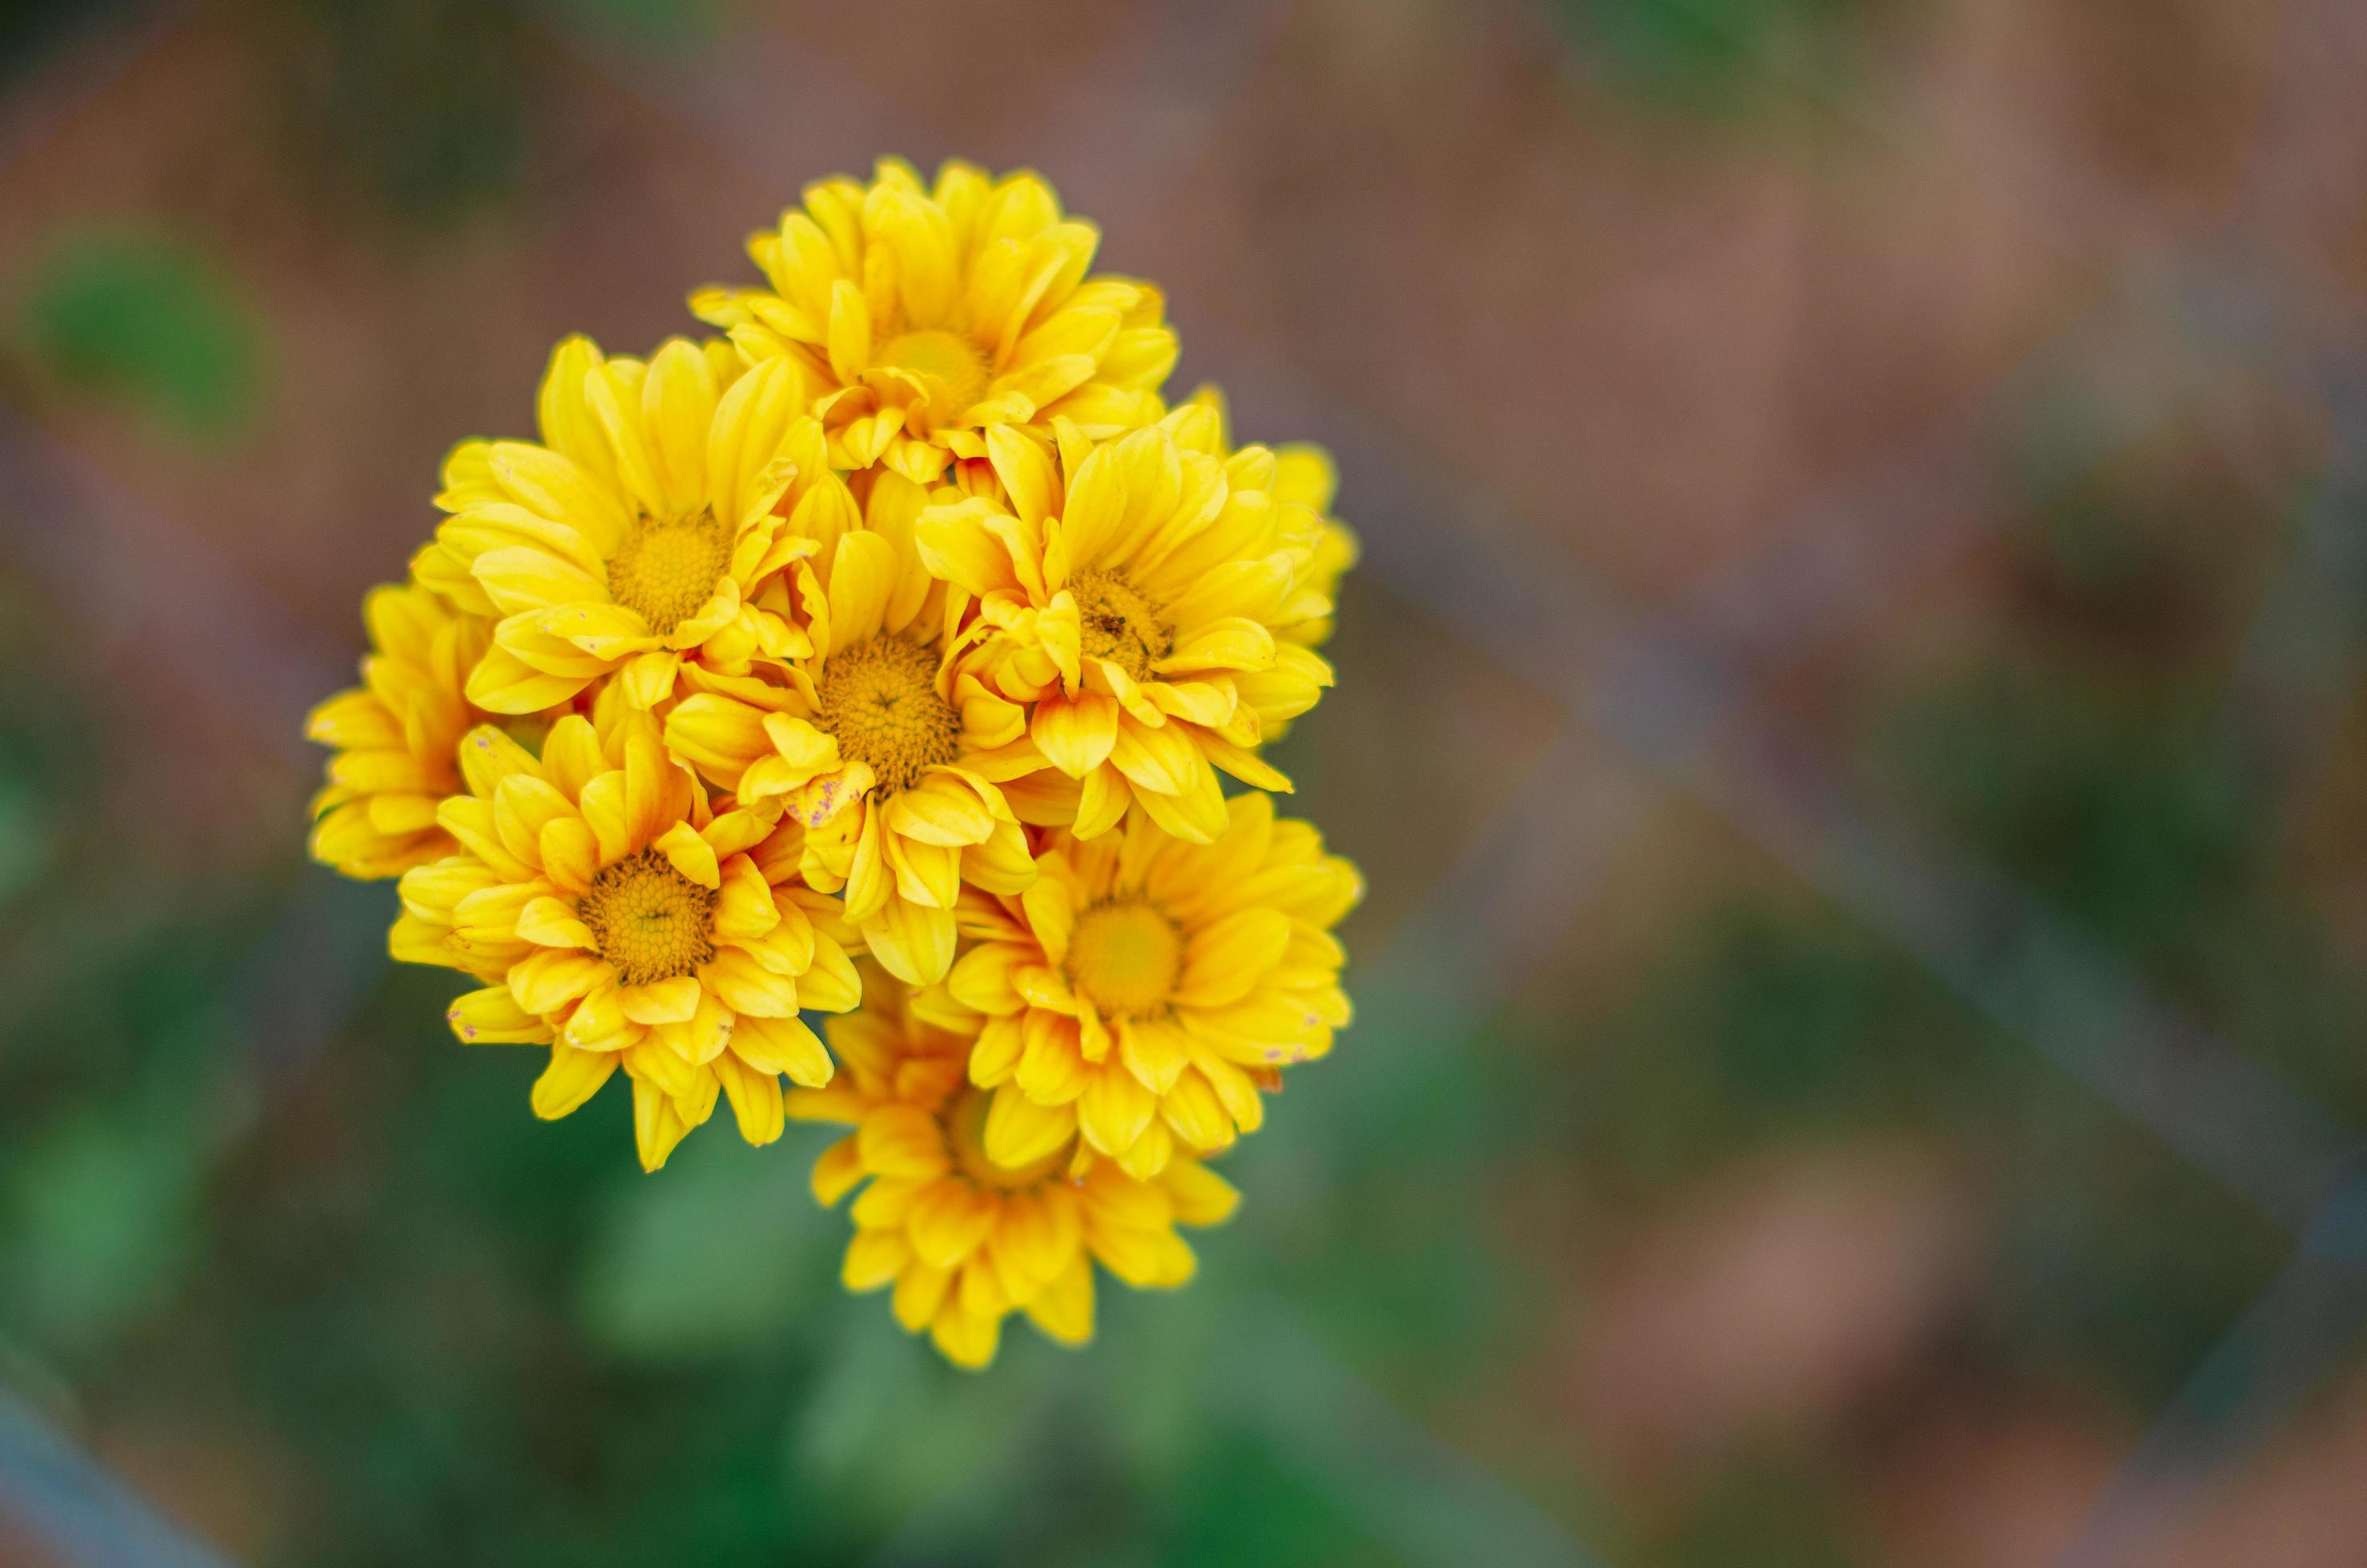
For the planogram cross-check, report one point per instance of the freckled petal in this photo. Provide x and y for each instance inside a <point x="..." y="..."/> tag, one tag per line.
<point x="492" y="1017"/>
<point x="487" y="757"/>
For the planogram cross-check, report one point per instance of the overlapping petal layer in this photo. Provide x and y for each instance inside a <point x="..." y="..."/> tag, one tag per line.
<point x="623" y="920"/>
<point x="925" y="316"/>
<point x="397" y="735"/>
<point x="1146" y="989"/>
<point x="864" y="747"/>
<point x="964" y="1240"/>
<point x="1133" y="600"/>
<point x="635" y="536"/>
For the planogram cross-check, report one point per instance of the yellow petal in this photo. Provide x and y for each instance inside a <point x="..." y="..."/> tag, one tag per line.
<point x="1064" y="1307"/>
<point x="492" y="1017"/>
<point x="572" y="1077"/>
<point x="549" y="980"/>
<point x="902" y="1140"/>
<point x="911" y="941"/>
<point x="782" y="1045"/>
<point x="755" y="1098"/>
<point x="548" y="922"/>
<point x="838" y="1170"/>
<point x="689" y="854"/>
<point x="949" y="1222"/>
<point x="1019" y="1131"/>
<point x="672" y="1001"/>
<point x="874" y="1259"/>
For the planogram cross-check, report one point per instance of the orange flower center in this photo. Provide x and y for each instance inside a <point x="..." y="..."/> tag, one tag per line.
<point x="948" y="364"/>
<point x="652" y="922"/>
<point x="1119" y="623"/>
<point x="1125" y="955"/>
<point x="668" y="568"/>
<point x="878" y="700"/>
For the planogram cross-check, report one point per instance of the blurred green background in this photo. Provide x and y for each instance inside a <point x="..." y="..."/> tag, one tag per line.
<point x="1851" y="715"/>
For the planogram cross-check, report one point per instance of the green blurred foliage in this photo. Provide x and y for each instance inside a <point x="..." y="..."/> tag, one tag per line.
<point x="1770" y="1511"/>
<point x="714" y="1259"/>
<point x="1716" y="57"/>
<point x="663" y="25"/>
<point x="149" y="320"/>
<point x="419" y="105"/>
<point x="30" y="30"/>
<point x="1771" y="1023"/>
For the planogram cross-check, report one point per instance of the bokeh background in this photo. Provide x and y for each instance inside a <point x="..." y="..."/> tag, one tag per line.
<point x="1851" y="714"/>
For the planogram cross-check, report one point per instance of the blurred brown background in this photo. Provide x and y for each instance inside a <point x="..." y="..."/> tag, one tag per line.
<point x="1851" y="714"/>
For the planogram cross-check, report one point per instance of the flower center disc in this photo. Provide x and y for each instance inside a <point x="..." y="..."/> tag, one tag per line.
<point x="965" y="1124"/>
<point x="878" y="700"/>
<point x="650" y="921"/>
<point x="668" y="568"/>
<point x="1117" y="623"/>
<point x="1125" y="957"/>
<point x="953" y="369"/>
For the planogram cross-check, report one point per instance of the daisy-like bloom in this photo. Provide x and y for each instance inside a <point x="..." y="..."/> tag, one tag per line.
<point x="964" y="1240"/>
<point x="621" y="920"/>
<point x="1133" y="597"/>
<point x="1305" y="480"/>
<point x="633" y="537"/>
<point x="866" y="749"/>
<point x="925" y="317"/>
<point x="1145" y="990"/>
<point x="397" y="735"/>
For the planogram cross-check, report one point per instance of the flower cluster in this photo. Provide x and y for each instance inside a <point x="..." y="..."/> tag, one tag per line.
<point x="882" y="657"/>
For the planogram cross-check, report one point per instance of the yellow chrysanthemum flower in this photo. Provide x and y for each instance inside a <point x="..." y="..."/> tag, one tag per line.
<point x="1306" y="480"/>
<point x="865" y="747"/>
<point x="1145" y="990"/>
<point x="923" y="317"/>
<point x="965" y="1241"/>
<point x="634" y="536"/>
<point x="1131" y="598"/>
<point x="623" y="921"/>
<point x="397" y="735"/>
